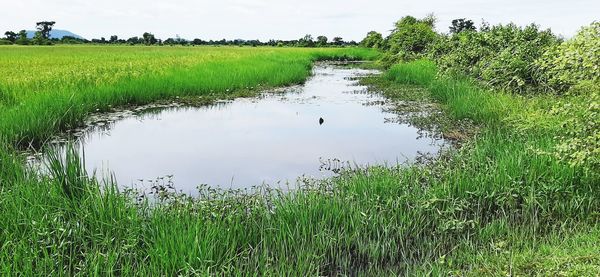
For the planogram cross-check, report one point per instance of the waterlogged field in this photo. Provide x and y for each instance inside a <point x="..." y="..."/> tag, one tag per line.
<point x="276" y="138"/>
<point x="502" y="204"/>
<point x="47" y="89"/>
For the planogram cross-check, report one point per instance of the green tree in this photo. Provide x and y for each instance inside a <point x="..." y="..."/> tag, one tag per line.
<point x="410" y="39"/>
<point x="38" y="38"/>
<point x="306" y="41"/>
<point x="149" y="38"/>
<point x="338" y="41"/>
<point x="322" y="41"/>
<point x="44" y="28"/>
<point x="114" y="39"/>
<point x="11" y="36"/>
<point x="22" y="40"/>
<point x="372" y="40"/>
<point x="461" y="25"/>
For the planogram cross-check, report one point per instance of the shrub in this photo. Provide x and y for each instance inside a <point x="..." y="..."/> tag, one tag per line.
<point x="501" y="56"/>
<point x="372" y="40"/>
<point x="575" y="60"/>
<point x="580" y="129"/>
<point x="409" y="40"/>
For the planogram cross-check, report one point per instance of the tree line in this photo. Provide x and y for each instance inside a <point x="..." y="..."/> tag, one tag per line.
<point x="42" y="37"/>
<point x="521" y="59"/>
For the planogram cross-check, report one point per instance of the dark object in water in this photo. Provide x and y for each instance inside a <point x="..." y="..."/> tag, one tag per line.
<point x="321" y="121"/>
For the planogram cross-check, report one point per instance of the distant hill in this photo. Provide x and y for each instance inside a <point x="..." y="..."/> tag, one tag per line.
<point x="55" y="33"/>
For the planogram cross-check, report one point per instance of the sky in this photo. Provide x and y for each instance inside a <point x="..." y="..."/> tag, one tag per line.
<point x="281" y="19"/>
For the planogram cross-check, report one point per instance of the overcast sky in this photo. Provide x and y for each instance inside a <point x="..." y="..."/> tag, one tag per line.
<point x="282" y="19"/>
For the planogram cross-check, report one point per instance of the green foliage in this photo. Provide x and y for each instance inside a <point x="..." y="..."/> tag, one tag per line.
<point x="575" y="60"/>
<point x="11" y="36"/>
<point x="571" y="255"/>
<point x="149" y="39"/>
<point x="322" y="41"/>
<point x="306" y="41"/>
<point x="409" y="40"/>
<point x="579" y="133"/>
<point x="462" y="25"/>
<point x="501" y="56"/>
<point x="504" y="57"/>
<point x="339" y="41"/>
<point x="524" y="60"/>
<point x="42" y="36"/>
<point x="570" y="122"/>
<point x="372" y="40"/>
<point x="22" y="40"/>
<point x="44" y="28"/>
<point x="38" y="39"/>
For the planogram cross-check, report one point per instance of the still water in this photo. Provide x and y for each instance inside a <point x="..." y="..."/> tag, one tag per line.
<point x="272" y="139"/>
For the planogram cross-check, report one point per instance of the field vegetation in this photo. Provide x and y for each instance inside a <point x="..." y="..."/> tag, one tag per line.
<point x="48" y="89"/>
<point x="518" y="197"/>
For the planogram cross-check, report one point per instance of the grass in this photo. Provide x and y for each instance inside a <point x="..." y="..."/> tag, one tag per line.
<point x="542" y="199"/>
<point x="493" y="206"/>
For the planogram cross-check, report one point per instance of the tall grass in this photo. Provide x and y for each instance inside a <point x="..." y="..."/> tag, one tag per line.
<point x="507" y="174"/>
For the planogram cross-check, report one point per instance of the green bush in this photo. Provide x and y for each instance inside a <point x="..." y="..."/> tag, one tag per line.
<point x="575" y="60"/>
<point x="579" y="138"/>
<point x="409" y="40"/>
<point x="502" y="56"/>
<point x="372" y="40"/>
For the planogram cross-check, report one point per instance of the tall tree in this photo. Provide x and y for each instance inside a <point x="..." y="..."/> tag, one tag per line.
<point x="135" y="40"/>
<point x="306" y="41"/>
<point x="22" y="40"/>
<point x="44" y="27"/>
<point x="322" y="41"/>
<point x="11" y="36"/>
<point x="114" y="39"/>
<point x="338" y="41"/>
<point x="372" y="40"/>
<point x="461" y="25"/>
<point x="410" y="38"/>
<point x="149" y="38"/>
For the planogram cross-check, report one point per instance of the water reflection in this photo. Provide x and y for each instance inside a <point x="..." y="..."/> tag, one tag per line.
<point x="270" y="139"/>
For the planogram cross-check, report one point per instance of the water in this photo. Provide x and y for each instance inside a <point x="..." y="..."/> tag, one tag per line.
<point x="272" y="139"/>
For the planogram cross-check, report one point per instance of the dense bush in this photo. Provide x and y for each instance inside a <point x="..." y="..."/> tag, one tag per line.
<point x="579" y="138"/>
<point x="574" y="67"/>
<point x="372" y="40"/>
<point x="575" y="60"/>
<point x="410" y="39"/>
<point x="502" y="56"/>
<point x="506" y="57"/>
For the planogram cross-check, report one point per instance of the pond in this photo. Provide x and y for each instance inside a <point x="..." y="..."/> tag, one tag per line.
<point x="305" y="131"/>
